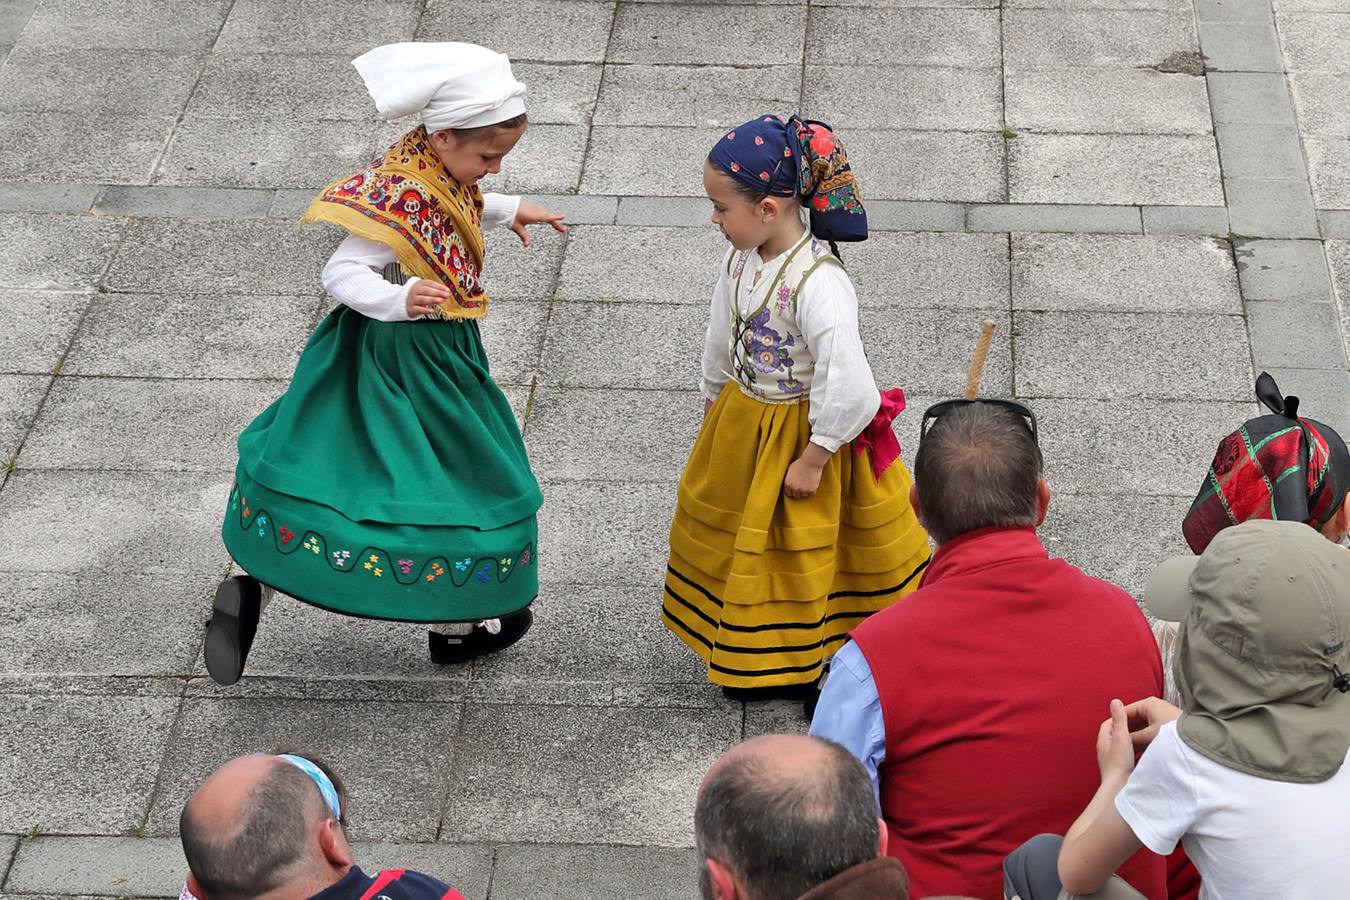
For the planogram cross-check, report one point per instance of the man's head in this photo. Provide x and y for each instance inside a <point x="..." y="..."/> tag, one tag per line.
<point x="263" y="825"/>
<point x="780" y="814"/>
<point x="978" y="466"/>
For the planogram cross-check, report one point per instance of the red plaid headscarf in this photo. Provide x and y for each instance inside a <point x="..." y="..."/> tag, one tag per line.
<point x="1274" y="467"/>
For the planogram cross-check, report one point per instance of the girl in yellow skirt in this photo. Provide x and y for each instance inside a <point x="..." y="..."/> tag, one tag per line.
<point x="793" y="522"/>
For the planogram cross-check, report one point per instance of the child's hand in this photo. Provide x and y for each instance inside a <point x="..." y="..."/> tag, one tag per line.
<point x="424" y="296"/>
<point x="1115" y="752"/>
<point x="534" y="214"/>
<point x="1146" y="716"/>
<point x="803" y="478"/>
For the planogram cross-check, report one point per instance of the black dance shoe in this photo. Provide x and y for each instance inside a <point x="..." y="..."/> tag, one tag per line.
<point x="486" y="637"/>
<point x="234" y="622"/>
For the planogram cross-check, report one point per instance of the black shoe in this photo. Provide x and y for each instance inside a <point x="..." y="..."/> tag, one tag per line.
<point x="234" y="622"/>
<point x="777" y="692"/>
<point x="449" y="650"/>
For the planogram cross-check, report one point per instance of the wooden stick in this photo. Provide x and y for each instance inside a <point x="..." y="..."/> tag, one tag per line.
<point x="977" y="364"/>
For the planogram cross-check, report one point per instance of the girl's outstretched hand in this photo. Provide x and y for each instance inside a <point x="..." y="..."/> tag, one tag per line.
<point x="534" y="214"/>
<point x="424" y="296"/>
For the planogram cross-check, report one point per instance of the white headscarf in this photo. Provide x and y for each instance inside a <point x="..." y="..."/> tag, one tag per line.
<point x="452" y="85"/>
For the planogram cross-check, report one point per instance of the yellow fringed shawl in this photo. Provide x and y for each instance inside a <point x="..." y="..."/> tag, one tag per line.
<point x="434" y="224"/>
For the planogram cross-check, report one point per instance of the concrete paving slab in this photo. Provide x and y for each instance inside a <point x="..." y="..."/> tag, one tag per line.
<point x="20" y="397"/>
<point x="1240" y="47"/>
<point x="99" y="866"/>
<point x="95" y="82"/>
<point x="1268" y="208"/>
<point x="1324" y="394"/>
<point x="270" y="153"/>
<point x="1323" y="102"/>
<point x="1250" y="98"/>
<point x="721" y="34"/>
<point x="1051" y="217"/>
<point x="1335" y="223"/>
<point x="606" y="533"/>
<point x="687" y="212"/>
<point x="1338" y="259"/>
<point x="512" y="336"/>
<point x="36" y="328"/>
<point x="394" y="786"/>
<point x="1307" y="5"/>
<point x="1233" y="10"/>
<point x="920" y="271"/>
<point x="646" y="434"/>
<point x="75" y="199"/>
<point x="112" y="522"/>
<point x="281" y="85"/>
<point x="55" y="252"/>
<point x="565" y="645"/>
<point x="580" y="209"/>
<point x="250" y="257"/>
<point x="901" y="4"/>
<point x="1306" y="335"/>
<point x="1172" y="5"/>
<point x="1120" y="273"/>
<point x="910" y="97"/>
<point x="1122" y="355"/>
<point x="1200" y="220"/>
<point x="1114" y="169"/>
<point x="694" y="96"/>
<point x="914" y="215"/>
<point x="892" y="338"/>
<point x="600" y="873"/>
<point x="1121" y="101"/>
<point x="9" y="843"/>
<point x="1260" y="151"/>
<point x="679" y="265"/>
<point x="1120" y="538"/>
<point x="13" y="17"/>
<point x="1315" y="41"/>
<point x="116" y="149"/>
<point x="513" y="271"/>
<point x="124" y="25"/>
<point x="536" y="30"/>
<point x="173" y="425"/>
<point x="559" y="94"/>
<point x="191" y="335"/>
<point x="578" y="352"/>
<point x="1041" y="38"/>
<point x="96" y="769"/>
<point x="1329" y="168"/>
<point x="774" y="717"/>
<point x="51" y="619"/>
<point x="1283" y="270"/>
<point x="321" y="26"/>
<point x="913" y="37"/>
<point x="186" y="202"/>
<point x="928" y="165"/>
<point x="1169" y="442"/>
<point x="619" y="161"/>
<point x="604" y="775"/>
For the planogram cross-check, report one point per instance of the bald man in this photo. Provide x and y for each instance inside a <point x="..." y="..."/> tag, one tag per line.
<point x="787" y="816"/>
<point x="271" y="828"/>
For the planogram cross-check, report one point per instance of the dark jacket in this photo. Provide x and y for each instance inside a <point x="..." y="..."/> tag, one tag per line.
<point x="879" y="879"/>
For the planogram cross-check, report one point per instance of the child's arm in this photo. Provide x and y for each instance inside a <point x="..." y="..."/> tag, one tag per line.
<point x="516" y="213"/>
<point x="350" y="277"/>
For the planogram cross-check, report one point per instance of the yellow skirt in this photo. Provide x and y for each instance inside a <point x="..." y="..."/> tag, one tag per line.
<point x="765" y="588"/>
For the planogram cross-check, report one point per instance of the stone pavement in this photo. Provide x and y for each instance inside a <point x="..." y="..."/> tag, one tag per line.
<point x="1150" y="197"/>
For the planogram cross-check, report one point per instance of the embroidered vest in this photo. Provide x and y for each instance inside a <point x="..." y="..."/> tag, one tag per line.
<point x="769" y="358"/>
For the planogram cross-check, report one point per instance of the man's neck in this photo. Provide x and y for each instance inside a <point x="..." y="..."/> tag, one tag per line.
<point x="306" y="885"/>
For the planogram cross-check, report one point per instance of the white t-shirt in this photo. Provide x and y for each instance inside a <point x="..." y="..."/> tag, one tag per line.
<point x="1249" y="837"/>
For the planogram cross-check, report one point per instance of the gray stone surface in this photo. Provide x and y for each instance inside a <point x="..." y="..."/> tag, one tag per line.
<point x="124" y="25"/>
<point x="583" y="774"/>
<point x="1124" y="355"/>
<point x="147" y="83"/>
<point x="1315" y="41"/>
<point x="182" y="335"/>
<point x="51" y="620"/>
<point x="1329" y="166"/>
<point x="1136" y="273"/>
<point x="688" y="212"/>
<point x="281" y="85"/>
<point x="1040" y="38"/>
<point x="599" y="873"/>
<point x="1249" y="98"/>
<point x="176" y="425"/>
<point x="94" y="866"/>
<point x="1068" y="217"/>
<point x="928" y="165"/>
<point x="720" y="34"/>
<point x="1240" y="47"/>
<point x="580" y="209"/>
<point x="1335" y="223"/>
<point x="559" y="94"/>
<point x="20" y="396"/>
<point x="683" y="269"/>
<point x="620" y="160"/>
<point x="912" y="37"/>
<point x="115" y="149"/>
<point x="36" y="327"/>
<point x="722" y="96"/>
<point x="9" y="843"/>
<point x="55" y="252"/>
<point x="1211" y="220"/>
<point x="1306" y="335"/>
<point x="395" y="779"/>
<point x="14" y="16"/>
<point x="512" y="335"/>
<point x="1276" y="209"/>
<point x="922" y="271"/>
<point x="1174" y="5"/>
<point x="663" y="345"/>
<point x="319" y="26"/>
<point x="96" y="767"/>
<point x="512" y="271"/>
<point x="250" y="257"/>
<point x="1119" y="537"/>
<point x="1125" y="101"/>
<point x="948" y="341"/>
<point x="914" y="215"/>
<point x="1233" y="10"/>
<point x="47" y="198"/>
<point x="913" y="97"/>
<point x="1260" y="151"/>
<point x="1114" y="169"/>
<point x="1323" y="101"/>
<point x="188" y="202"/>
<point x="606" y="533"/>
<point x="1324" y="394"/>
<point x="111" y="522"/>
<point x="538" y="30"/>
<point x="1283" y="270"/>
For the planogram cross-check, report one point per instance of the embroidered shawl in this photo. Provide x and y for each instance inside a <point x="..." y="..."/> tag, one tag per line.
<point x="407" y="200"/>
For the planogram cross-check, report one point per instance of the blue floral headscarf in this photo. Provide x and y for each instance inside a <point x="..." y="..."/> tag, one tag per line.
<point x="797" y="158"/>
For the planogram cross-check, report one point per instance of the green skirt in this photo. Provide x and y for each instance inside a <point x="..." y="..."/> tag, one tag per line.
<point x="390" y="480"/>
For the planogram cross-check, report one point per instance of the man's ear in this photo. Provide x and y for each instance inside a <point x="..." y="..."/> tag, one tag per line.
<point x="333" y="844"/>
<point x="1042" y="501"/>
<point x="194" y="886"/>
<point x="884" y="840"/>
<point x="724" y="884"/>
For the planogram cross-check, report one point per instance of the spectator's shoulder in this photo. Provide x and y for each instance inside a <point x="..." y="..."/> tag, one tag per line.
<point x="417" y="886"/>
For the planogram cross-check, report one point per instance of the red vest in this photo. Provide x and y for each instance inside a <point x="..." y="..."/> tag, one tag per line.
<point x="994" y="677"/>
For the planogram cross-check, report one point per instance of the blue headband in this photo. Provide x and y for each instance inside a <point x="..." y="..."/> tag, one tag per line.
<point x="330" y="794"/>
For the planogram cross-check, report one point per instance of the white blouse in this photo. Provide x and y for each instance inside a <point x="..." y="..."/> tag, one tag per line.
<point x="843" y="394"/>
<point x="351" y="275"/>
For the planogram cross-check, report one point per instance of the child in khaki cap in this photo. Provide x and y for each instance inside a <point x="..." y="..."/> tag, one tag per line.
<point x="1248" y="774"/>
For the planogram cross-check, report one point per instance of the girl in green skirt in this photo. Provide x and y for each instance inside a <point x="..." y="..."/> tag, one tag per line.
<point x="390" y="481"/>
